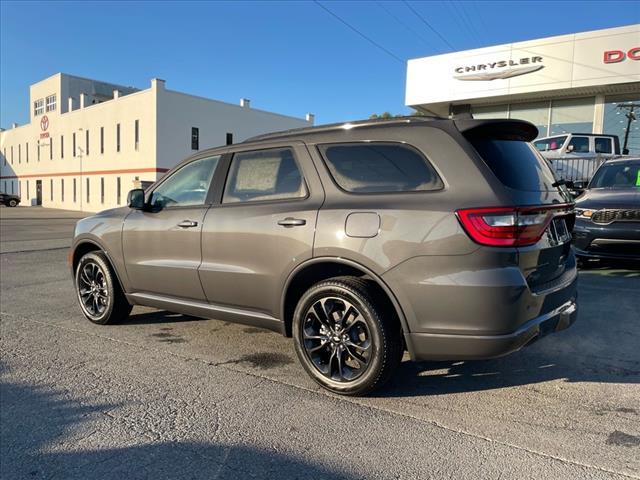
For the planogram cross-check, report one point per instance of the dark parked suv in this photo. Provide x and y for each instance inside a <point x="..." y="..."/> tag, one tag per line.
<point x="446" y="238"/>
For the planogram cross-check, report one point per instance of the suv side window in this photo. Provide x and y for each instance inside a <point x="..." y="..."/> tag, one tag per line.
<point x="271" y="174"/>
<point x="580" y="144"/>
<point x="604" y="145"/>
<point x="379" y="168"/>
<point x="187" y="186"/>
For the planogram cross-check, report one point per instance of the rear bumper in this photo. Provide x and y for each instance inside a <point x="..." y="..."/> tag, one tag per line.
<point x="471" y="307"/>
<point x="430" y="346"/>
<point x="616" y="240"/>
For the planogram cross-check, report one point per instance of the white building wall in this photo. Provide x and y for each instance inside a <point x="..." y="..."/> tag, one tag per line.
<point x="179" y="112"/>
<point x="52" y="160"/>
<point x="32" y="152"/>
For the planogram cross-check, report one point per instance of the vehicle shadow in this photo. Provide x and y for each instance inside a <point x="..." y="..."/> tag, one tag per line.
<point x="38" y="420"/>
<point x="158" y="316"/>
<point x="590" y="351"/>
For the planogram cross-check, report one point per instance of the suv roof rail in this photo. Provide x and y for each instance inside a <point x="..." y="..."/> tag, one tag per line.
<point x="344" y="125"/>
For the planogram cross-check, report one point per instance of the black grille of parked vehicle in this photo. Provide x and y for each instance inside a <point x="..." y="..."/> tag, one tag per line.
<point x="609" y="216"/>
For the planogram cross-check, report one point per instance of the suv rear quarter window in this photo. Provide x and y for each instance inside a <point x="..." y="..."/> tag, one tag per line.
<point x="379" y="168"/>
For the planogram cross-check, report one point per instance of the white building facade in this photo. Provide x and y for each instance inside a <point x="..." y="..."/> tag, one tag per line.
<point x="89" y="142"/>
<point x="580" y="83"/>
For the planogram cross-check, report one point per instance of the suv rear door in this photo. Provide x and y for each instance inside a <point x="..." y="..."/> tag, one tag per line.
<point x="261" y="226"/>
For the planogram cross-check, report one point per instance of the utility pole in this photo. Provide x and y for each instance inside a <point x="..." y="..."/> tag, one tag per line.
<point x="631" y="117"/>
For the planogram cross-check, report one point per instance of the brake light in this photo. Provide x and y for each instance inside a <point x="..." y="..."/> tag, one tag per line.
<point x="507" y="226"/>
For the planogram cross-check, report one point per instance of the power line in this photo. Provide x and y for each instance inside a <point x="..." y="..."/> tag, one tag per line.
<point x="467" y="19"/>
<point x="426" y="42"/>
<point x="428" y="24"/>
<point x="370" y="40"/>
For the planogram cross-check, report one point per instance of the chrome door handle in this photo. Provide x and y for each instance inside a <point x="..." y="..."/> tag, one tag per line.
<point x="292" y="222"/>
<point x="188" y="224"/>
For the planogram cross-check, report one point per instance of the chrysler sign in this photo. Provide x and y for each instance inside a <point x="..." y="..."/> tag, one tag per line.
<point x="499" y="70"/>
<point x="587" y="61"/>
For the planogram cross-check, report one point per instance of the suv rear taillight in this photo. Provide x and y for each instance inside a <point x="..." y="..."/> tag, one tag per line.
<point x="508" y="226"/>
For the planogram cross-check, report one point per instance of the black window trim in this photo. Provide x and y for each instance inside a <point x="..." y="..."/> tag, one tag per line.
<point x="227" y="171"/>
<point x="321" y="146"/>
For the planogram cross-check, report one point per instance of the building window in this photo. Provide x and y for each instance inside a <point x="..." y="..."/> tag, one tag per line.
<point x="11" y="187"/>
<point x="491" y="111"/>
<point x="50" y="148"/>
<point x="38" y="107"/>
<point x="26" y="151"/>
<point x="73" y="144"/>
<point x="534" y="112"/>
<point x="62" y="189"/>
<point x="11" y="154"/>
<point x="86" y="142"/>
<point x="88" y="185"/>
<point x="229" y="138"/>
<point x="51" y="189"/>
<point x="61" y="146"/>
<point x="101" y="140"/>
<point x="136" y="134"/>
<point x="621" y="113"/>
<point x="51" y="103"/>
<point x="195" y="138"/>
<point x="19" y="153"/>
<point x="118" y="191"/>
<point x="101" y="189"/>
<point x="118" y="137"/>
<point x="74" y="190"/>
<point x="28" y="190"/>
<point x="574" y="115"/>
<point x="38" y="148"/>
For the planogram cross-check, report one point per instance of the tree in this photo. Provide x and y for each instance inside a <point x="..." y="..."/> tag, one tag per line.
<point x="387" y="115"/>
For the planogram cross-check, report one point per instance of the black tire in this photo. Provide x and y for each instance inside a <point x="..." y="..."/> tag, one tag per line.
<point x="370" y="337"/>
<point x="105" y="303"/>
<point x="12" y="203"/>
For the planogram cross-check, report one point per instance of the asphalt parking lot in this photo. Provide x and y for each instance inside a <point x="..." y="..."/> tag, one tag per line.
<point x="169" y="396"/>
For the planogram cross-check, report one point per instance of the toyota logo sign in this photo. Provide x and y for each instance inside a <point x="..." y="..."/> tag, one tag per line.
<point x="44" y="123"/>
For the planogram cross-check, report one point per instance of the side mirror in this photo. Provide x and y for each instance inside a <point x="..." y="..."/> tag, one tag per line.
<point x="569" y="148"/>
<point x="569" y="184"/>
<point x="135" y="199"/>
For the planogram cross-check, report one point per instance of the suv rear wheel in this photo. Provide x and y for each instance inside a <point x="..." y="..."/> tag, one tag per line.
<point x="346" y="340"/>
<point x="101" y="298"/>
<point x="12" y="203"/>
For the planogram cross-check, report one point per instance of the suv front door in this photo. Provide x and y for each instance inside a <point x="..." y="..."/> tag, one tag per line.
<point x="261" y="228"/>
<point x="161" y="244"/>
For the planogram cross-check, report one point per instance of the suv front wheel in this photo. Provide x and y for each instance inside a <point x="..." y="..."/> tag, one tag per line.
<point x="101" y="298"/>
<point x="345" y="338"/>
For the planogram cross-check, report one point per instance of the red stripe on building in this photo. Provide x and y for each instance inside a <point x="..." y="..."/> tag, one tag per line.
<point x="90" y="172"/>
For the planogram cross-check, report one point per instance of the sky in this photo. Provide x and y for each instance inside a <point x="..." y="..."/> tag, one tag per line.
<point x="288" y="57"/>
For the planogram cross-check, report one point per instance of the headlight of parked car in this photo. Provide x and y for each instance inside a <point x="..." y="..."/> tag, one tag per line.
<point x="582" y="213"/>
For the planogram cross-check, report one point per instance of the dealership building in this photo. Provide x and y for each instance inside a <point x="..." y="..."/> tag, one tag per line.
<point x="89" y="142"/>
<point x="580" y="83"/>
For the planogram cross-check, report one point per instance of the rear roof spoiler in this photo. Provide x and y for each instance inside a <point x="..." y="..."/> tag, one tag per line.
<point x="499" y="129"/>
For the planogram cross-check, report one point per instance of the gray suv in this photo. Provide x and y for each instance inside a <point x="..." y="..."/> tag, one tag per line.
<point x="446" y="238"/>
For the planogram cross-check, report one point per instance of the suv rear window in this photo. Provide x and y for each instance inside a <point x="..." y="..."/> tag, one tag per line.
<point x="517" y="164"/>
<point x="379" y="168"/>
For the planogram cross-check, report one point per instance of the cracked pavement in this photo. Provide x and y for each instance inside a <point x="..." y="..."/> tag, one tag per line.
<point x="168" y="396"/>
